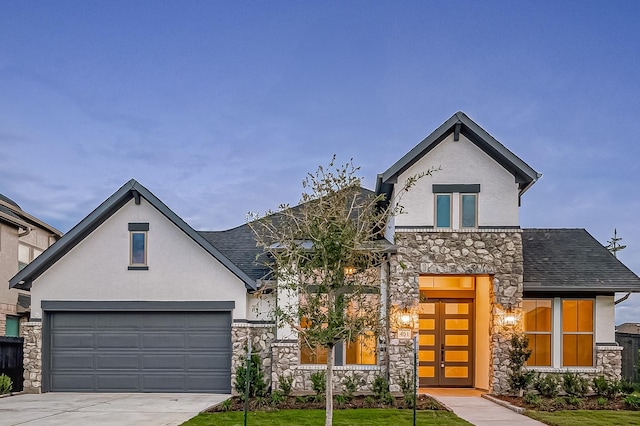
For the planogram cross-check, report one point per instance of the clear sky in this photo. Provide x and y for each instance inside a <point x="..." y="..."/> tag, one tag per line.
<point x="220" y="108"/>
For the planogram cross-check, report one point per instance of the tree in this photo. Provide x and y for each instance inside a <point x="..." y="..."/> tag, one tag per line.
<point x="325" y="256"/>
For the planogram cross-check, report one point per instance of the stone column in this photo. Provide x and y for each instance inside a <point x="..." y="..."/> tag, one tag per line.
<point x="32" y="333"/>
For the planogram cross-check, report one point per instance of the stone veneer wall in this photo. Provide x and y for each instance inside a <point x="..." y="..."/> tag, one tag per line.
<point x="495" y="252"/>
<point x="286" y="363"/>
<point x="261" y="335"/>
<point x="32" y="333"/>
<point x="608" y="364"/>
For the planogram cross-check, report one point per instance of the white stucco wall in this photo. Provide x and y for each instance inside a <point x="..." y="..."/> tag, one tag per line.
<point x="179" y="269"/>
<point x="461" y="162"/>
<point x="605" y="319"/>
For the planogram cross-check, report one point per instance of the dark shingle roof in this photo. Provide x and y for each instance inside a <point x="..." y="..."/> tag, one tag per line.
<point x="239" y="246"/>
<point x="572" y="260"/>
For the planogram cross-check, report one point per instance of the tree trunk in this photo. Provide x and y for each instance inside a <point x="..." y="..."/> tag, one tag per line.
<point x="329" y="390"/>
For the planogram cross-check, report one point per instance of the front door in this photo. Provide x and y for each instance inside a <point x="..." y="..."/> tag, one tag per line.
<point x="445" y="353"/>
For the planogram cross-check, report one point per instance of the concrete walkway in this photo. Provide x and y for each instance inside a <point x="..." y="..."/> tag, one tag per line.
<point x="479" y="411"/>
<point x="117" y="409"/>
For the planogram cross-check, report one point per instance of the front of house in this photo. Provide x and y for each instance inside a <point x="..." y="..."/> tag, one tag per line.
<point x="133" y="299"/>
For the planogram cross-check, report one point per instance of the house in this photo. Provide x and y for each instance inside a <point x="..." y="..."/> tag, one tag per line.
<point x="133" y="299"/>
<point x="22" y="238"/>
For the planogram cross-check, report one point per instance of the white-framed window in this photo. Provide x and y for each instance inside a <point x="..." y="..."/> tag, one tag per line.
<point x="560" y="331"/>
<point x="468" y="210"/>
<point x="443" y="210"/>
<point x="26" y="255"/>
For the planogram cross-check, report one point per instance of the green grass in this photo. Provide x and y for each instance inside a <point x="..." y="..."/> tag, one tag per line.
<point x="361" y="416"/>
<point x="586" y="417"/>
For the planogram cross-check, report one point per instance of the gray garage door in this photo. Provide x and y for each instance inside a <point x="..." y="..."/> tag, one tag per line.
<point x="140" y="352"/>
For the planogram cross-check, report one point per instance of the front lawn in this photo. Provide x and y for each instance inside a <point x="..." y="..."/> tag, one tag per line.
<point x="586" y="417"/>
<point x="361" y="416"/>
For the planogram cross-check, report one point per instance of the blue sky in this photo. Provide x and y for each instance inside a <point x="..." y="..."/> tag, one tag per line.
<point x="220" y="108"/>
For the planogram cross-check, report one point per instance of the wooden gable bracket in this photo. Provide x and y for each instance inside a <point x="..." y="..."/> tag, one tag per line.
<point x="456" y="131"/>
<point x="136" y="196"/>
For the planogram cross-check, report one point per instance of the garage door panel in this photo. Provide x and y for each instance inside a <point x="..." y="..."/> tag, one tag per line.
<point x="69" y="340"/>
<point x="140" y="351"/>
<point x="166" y="362"/>
<point x="72" y="382"/>
<point x="208" y="361"/>
<point x="72" y="360"/>
<point x="116" y="383"/>
<point x="112" y="340"/>
<point x="117" y="362"/>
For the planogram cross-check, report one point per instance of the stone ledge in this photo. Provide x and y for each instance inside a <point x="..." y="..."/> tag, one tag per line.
<point x="285" y="344"/>
<point x="252" y="325"/>
<point x="609" y="348"/>
<point x="338" y="367"/>
<point x="563" y="369"/>
<point x="458" y="231"/>
<point x="31" y="323"/>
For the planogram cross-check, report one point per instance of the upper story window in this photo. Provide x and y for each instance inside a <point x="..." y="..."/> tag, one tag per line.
<point x="456" y="205"/>
<point x="26" y="254"/>
<point x="138" y="246"/>
<point x="468" y="210"/>
<point x="443" y="210"/>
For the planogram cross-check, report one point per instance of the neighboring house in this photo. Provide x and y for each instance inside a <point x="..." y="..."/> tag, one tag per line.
<point x="629" y="328"/>
<point x="22" y="239"/>
<point x="133" y="299"/>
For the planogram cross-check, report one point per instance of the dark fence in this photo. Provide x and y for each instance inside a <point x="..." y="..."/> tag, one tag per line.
<point x="630" y="354"/>
<point x="11" y="360"/>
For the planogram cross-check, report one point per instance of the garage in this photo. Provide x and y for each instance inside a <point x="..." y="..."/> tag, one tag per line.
<point x="138" y="351"/>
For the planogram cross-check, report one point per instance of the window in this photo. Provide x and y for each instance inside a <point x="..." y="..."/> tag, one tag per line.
<point x="560" y="332"/>
<point x="26" y="255"/>
<point x="468" y="212"/>
<point x="362" y="350"/>
<point x="138" y="246"/>
<point x="12" y="328"/>
<point x="577" y="333"/>
<point x="443" y="210"/>
<point x="537" y="325"/>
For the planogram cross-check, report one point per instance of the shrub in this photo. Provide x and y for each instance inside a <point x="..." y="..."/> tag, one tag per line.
<point x="380" y="389"/>
<point x="285" y="383"/>
<point x="6" y="385"/>
<point x="407" y="387"/>
<point x="602" y="401"/>
<point x="632" y="401"/>
<point x="575" y="401"/>
<point x="350" y="386"/>
<point x="519" y="352"/>
<point x="600" y="385"/>
<point x="558" y="403"/>
<point x="574" y="385"/>
<point x="257" y="385"/>
<point x="340" y="399"/>
<point x="319" y="383"/>
<point x="226" y="405"/>
<point x="626" y="387"/>
<point x="277" y="397"/>
<point x="531" y="399"/>
<point x="546" y="386"/>
<point x="369" y="401"/>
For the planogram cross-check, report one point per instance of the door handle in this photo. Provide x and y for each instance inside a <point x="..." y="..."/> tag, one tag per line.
<point x="442" y="355"/>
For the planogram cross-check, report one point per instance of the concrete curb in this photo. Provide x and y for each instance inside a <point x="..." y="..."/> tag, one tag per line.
<point x="7" y="395"/>
<point x="505" y="404"/>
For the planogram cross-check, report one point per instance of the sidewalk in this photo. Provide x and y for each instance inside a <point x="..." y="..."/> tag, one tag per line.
<point x="479" y="411"/>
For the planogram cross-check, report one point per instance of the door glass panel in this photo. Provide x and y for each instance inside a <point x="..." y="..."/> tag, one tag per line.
<point x="426" y="371"/>
<point x="426" y="356"/>
<point x="456" y="324"/>
<point x="456" y="372"/>
<point x="427" y="324"/>
<point x="426" y="340"/>
<point x="456" y="308"/>
<point x="427" y="308"/>
<point x="456" y="340"/>
<point x="456" y="356"/>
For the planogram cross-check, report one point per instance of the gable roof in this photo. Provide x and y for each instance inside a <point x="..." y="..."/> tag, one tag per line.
<point x="572" y="260"/>
<point x="12" y="213"/>
<point x="524" y="175"/>
<point x="130" y="190"/>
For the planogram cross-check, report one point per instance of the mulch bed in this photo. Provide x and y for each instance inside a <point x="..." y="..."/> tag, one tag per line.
<point x="562" y="403"/>
<point x="310" y="402"/>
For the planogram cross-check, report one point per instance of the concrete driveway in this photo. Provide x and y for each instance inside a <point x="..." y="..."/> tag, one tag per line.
<point x="149" y="409"/>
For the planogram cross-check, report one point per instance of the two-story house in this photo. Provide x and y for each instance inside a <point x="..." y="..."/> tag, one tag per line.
<point x="133" y="299"/>
<point x="22" y="238"/>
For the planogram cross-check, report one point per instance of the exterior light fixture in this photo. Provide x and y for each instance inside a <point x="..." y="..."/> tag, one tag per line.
<point x="509" y="319"/>
<point x="349" y="270"/>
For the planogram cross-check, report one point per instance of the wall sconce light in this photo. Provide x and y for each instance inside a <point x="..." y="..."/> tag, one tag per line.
<point x="403" y="321"/>
<point x="509" y="318"/>
<point x="349" y="270"/>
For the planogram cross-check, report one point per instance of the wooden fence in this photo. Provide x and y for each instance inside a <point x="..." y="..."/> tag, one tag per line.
<point x="630" y="354"/>
<point x="11" y="351"/>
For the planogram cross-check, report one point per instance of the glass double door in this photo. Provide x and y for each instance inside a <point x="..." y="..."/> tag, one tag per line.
<point x="445" y="343"/>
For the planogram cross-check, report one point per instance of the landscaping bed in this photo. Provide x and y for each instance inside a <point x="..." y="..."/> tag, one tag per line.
<point x="313" y="402"/>
<point x="567" y="403"/>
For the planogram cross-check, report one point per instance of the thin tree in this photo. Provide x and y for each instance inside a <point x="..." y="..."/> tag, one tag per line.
<point x="614" y="246"/>
<point x="325" y="257"/>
